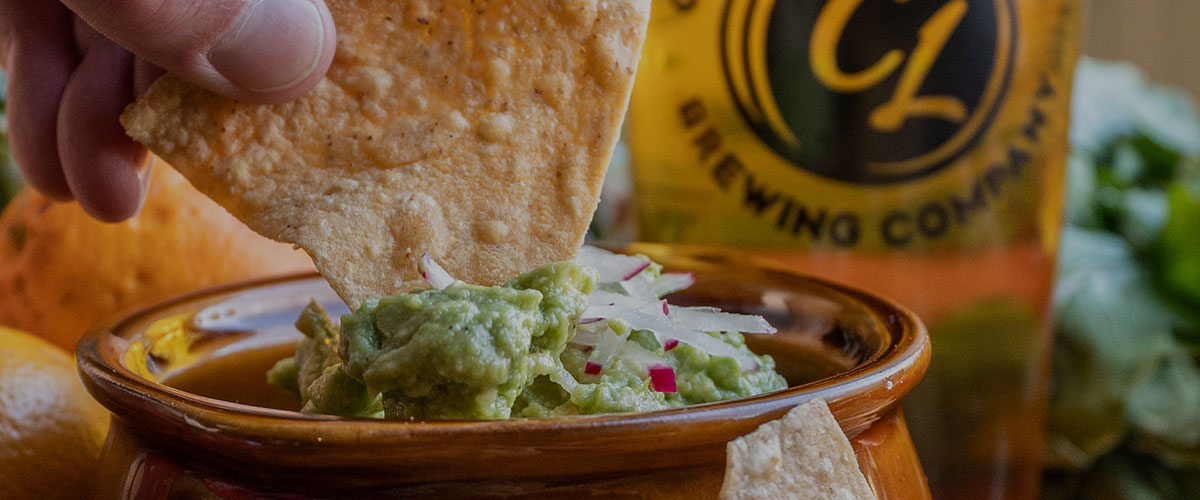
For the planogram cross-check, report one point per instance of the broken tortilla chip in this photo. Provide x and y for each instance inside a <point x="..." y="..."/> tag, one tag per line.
<point x="804" y="455"/>
<point x="477" y="132"/>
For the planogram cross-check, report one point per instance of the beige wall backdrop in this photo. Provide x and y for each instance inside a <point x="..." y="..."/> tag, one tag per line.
<point x="1161" y="36"/>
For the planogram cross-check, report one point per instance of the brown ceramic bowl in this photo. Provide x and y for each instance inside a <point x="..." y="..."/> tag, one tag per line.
<point x="199" y="421"/>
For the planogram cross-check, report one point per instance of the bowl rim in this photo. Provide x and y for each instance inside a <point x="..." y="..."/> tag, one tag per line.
<point x="900" y="362"/>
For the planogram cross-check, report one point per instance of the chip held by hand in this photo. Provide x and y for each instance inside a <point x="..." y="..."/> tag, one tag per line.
<point x="804" y="455"/>
<point x="476" y="132"/>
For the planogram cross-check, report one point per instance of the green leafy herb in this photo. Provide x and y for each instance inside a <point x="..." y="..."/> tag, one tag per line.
<point x="10" y="180"/>
<point x="1125" y="404"/>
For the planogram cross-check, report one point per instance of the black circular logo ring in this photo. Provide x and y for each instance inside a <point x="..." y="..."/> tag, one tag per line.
<point x="869" y="91"/>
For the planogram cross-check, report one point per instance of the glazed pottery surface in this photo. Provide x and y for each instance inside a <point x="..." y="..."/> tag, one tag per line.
<point x="199" y="421"/>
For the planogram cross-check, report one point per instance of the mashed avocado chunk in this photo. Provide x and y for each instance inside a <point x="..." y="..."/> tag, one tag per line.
<point x="510" y="351"/>
<point x="465" y="351"/>
<point x="316" y="375"/>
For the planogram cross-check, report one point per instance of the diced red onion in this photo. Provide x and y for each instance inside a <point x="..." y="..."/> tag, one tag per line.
<point x="670" y="344"/>
<point x="713" y="320"/>
<point x="591" y="368"/>
<point x="662" y="378"/>
<point x="612" y="267"/>
<point x="635" y="272"/>
<point x="435" y="275"/>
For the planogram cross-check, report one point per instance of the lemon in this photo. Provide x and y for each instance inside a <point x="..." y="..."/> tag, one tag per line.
<point x="51" y="431"/>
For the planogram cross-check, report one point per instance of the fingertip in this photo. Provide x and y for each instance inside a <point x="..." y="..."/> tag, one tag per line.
<point x="101" y="164"/>
<point x="112" y="209"/>
<point x="302" y="86"/>
<point x="54" y="188"/>
<point x="110" y="185"/>
<point x="120" y="192"/>
<point x="276" y="50"/>
<point x="42" y="58"/>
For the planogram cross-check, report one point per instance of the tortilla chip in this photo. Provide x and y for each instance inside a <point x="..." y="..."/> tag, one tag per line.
<point x="475" y="131"/>
<point x="803" y="455"/>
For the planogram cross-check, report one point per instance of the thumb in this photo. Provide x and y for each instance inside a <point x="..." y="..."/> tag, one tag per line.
<point x="253" y="50"/>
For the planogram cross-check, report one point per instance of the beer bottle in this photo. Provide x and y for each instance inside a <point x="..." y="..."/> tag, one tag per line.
<point x="912" y="147"/>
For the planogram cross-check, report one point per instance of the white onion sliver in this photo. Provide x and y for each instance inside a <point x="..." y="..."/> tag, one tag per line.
<point x="714" y="320"/>
<point x="597" y="311"/>
<point x="608" y="343"/>
<point x="665" y="329"/>
<point x="639" y="288"/>
<point x="639" y="356"/>
<point x="699" y="308"/>
<point x="602" y="297"/>
<point x="612" y="267"/>
<point x="435" y="274"/>
<point x="666" y="283"/>
<point x="585" y="337"/>
<point x="593" y="325"/>
<point x="605" y="298"/>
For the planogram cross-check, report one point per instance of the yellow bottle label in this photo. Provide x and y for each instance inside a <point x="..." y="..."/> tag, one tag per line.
<point x="852" y="124"/>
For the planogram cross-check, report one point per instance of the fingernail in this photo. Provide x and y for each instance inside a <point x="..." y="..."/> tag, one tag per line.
<point x="273" y="45"/>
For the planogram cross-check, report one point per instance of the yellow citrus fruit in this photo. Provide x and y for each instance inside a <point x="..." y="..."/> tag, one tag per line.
<point x="51" y="431"/>
<point x="62" y="271"/>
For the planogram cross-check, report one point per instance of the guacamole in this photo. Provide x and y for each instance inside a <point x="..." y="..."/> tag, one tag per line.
<point x="476" y="352"/>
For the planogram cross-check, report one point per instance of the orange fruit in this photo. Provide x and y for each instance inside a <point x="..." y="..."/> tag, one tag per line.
<point x="62" y="271"/>
<point x="51" y="431"/>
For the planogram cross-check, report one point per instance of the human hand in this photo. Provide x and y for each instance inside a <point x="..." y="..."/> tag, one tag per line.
<point x="74" y="65"/>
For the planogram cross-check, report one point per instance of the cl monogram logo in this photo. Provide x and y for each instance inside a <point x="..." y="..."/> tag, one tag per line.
<point x="868" y="91"/>
<point x="831" y="25"/>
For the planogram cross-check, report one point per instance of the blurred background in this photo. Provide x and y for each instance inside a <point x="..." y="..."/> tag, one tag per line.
<point x="1124" y="418"/>
<point x="1125" y="409"/>
<point x="1160" y="36"/>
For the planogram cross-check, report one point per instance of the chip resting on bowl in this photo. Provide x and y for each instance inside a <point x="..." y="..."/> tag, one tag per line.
<point x="802" y="456"/>
<point x="475" y="131"/>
